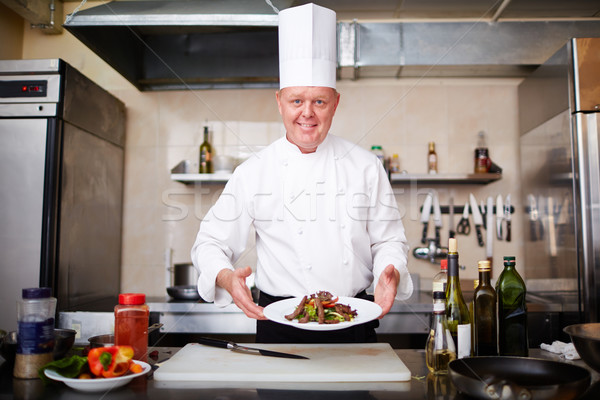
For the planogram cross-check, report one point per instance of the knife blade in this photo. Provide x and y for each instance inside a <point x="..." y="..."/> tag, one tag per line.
<point x="477" y="218"/>
<point x="551" y="228"/>
<point x="451" y="232"/>
<point x="224" y="344"/>
<point x="499" y="216"/>
<point x="489" y="214"/>
<point x="437" y="218"/>
<point x="425" y="213"/>
<point x="533" y="218"/>
<point x="507" y="217"/>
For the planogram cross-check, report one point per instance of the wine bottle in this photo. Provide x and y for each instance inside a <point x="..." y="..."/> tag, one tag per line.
<point x="512" y="312"/>
<point x="457" y="313"/>
<point x="439" y="350"/>
<point x="432" y="160"/>
<point x="206" y="153"/>
<point x="484" y="313"/>
<point x="441" y="278"/>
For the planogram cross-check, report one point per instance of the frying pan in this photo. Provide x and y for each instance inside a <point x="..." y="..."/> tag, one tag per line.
<point x="518" y="378"/>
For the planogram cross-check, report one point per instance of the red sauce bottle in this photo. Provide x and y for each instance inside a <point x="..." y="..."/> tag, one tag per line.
<point x="131" y="323"/>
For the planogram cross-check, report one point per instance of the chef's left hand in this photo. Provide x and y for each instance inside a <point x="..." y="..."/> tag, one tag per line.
<point x="386" y="289"/>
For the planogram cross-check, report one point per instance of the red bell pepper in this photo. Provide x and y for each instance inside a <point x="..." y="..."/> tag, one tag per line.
<point x="110" y="362"/>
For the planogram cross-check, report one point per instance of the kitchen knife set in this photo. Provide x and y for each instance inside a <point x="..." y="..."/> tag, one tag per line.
<point x="500" y="213"/>
<point x="548" y="218"/>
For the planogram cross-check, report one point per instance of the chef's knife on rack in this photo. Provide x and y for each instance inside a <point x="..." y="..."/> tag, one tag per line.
<point x="562" y="220"/>
<point x="507" y="217"/>
<point x="437" y="219"/>
<point x="499" y="216"/>
<point x="425" y="213"/>
<point x="489" y="215"/>
<point x="250" y="350"/>
<point x="534" y="219"/>
<point x="477" y="219"/>
<point x="551" y="228"/>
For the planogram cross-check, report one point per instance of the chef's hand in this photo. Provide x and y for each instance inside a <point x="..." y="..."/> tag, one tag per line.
<point x="386" y="289"/>
<point x="235" y="283"/>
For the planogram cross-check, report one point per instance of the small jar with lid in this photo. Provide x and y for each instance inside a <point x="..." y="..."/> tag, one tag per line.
<point x="131" y="323"/>
<point x="35" y="331"/>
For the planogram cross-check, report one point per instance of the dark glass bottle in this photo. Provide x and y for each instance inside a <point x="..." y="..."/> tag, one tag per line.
<point x="206" y="153"/>
<point x="484" y="314"/>
<point x="512" y="312"/>
<point x="457" y="312"/>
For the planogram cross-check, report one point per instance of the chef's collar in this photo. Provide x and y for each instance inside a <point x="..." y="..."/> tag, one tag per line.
<point x="292" y="148"/>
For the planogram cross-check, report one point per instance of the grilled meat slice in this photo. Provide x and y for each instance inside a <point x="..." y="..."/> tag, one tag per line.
<point x="320" y="310"/>
<point x="299" y="310"/>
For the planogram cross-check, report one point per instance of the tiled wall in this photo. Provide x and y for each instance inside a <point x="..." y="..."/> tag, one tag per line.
<point x="164" y="128"/>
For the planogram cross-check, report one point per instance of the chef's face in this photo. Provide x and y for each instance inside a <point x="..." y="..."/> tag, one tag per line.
<point x="307" y="112"/>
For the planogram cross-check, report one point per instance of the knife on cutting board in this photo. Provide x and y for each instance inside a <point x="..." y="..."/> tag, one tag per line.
<point x="477" y="218"/>
<point x="224" y="344"/>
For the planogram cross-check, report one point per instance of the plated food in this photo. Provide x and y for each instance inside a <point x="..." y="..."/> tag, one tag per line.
<point x="365" y="311"/>
<point x="99" y="384"/>
<point x="323" y="308"/>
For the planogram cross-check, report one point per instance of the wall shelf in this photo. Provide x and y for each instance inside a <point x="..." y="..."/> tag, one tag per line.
<point x="440" y="179"/>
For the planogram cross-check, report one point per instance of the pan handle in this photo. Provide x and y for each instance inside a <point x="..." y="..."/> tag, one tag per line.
<point x="507" y="390"/>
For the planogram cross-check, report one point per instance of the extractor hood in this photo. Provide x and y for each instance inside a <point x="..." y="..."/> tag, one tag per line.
<point x="184" y="44"/>
<point x="206" y="44"/>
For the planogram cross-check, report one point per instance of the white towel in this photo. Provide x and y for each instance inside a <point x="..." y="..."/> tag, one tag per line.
<point x="567" y="350"/>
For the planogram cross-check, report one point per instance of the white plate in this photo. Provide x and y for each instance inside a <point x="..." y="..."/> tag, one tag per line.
<point x="367" y="311"/>
<point x="99" y="384"/>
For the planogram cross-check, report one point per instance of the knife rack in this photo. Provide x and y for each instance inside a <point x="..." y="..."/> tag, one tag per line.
<point x="460" y="209"/>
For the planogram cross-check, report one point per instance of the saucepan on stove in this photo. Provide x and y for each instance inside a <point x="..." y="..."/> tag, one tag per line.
<point x="184" y="280"/>
<point x="109" y="339"/>
<point x="518" y="378"/>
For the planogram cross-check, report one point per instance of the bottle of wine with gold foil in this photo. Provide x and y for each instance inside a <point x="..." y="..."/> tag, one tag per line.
<point x="439" y="350"/>
<point x="206" y="153"/>
<point x="457" y="312"/>
<point x="512" y="312"/>
<point x="484" y="314"/>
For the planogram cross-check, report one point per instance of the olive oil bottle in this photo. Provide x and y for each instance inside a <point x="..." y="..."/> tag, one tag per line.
<point x="484" y="314"/>
<point x="512" y="312"/>
<point x="439" y="350"/>
<point x="206" y="155"/>
<point x="457" y="312"/>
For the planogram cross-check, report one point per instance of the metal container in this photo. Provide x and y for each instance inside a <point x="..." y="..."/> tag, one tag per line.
<point x="184" y="275"/>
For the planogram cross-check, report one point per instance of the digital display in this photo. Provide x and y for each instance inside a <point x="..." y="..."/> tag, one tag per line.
<point x="23" y="89"/>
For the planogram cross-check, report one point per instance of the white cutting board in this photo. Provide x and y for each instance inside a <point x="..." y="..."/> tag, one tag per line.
<point x="373" y="362"/>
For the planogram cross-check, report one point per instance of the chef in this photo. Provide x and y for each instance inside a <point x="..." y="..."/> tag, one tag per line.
<point x="321" y="208"/>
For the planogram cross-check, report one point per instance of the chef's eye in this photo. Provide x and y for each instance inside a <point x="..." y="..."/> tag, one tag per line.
<point x="296" y="101"/>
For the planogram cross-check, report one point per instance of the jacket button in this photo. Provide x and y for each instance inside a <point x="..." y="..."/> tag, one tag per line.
<point x="308" y="266"/>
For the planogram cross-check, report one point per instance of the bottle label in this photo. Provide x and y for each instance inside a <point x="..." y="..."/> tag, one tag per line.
<point x="464" y="340"/>
<point x="36" y="337"/>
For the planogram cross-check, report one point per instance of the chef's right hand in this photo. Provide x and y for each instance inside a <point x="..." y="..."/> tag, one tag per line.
<point x="235" y="283"/>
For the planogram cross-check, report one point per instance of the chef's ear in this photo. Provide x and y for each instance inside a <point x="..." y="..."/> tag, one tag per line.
<point x="277" y="94"/>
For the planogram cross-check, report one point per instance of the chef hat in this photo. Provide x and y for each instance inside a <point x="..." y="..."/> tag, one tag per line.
<point x="307" y="46"/>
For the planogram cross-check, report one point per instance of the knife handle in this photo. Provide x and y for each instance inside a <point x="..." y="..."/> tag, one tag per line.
<point x="479" y="236"/>
<point x="508" y="231"/>
<point x="214" y="342"/>
<point x="532" y="228"/>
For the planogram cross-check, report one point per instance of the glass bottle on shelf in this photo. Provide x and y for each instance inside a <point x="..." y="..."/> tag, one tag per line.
<point x="457" y="312"/>
<point x="440" y="349"/>
<point x="395" y="164"/>
<point x="441" y="278"/>
<point x="512" y="312"/>
<point x="484" y="313"/>
<point x="432" y="159"/>
<point x="206" y="155"/>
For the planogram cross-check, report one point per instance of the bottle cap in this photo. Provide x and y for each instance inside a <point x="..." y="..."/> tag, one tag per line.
<point x="37" y="293"/>
<point x="452" y="247"/>
<point x="484" y="266"/>
<point x="509" y="258"/>
<point x="376" y="148"/>
<point x="444" y="264"/>
<point x="132" y="298"/>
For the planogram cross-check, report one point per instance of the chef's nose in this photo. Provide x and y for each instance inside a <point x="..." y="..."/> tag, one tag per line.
<point x="307" y="110"/>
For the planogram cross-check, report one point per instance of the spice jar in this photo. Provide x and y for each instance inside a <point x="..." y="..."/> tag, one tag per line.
<point x="35" y="331"/>
<point x="483" y="162"/>
<point x="131" y="323"/>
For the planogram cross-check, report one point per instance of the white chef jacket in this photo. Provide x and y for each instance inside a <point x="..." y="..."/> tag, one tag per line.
<point x="326" y="220"/>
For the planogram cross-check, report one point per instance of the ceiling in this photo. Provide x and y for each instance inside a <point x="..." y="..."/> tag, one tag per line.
<point x="449" y="9"/>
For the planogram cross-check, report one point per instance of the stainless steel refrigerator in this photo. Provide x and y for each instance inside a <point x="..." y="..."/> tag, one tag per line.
<point x="559" y="115"/>
<point x="61" y="187"/>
